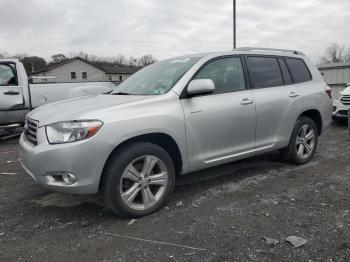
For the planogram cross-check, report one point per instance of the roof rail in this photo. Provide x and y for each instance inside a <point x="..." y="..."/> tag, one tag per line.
<point x="268" y="49"/>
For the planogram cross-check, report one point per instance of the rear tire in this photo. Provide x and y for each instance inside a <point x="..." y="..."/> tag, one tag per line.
<point x="303" y="142"/>
<point x="138" y="180"/>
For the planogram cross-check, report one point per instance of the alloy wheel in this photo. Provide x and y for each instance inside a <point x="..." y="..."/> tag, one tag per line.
<point x="305" y="141"/>
<point x="143" y="182"/>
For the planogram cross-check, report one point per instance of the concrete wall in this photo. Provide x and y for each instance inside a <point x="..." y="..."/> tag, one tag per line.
<point x="335" y="75"/>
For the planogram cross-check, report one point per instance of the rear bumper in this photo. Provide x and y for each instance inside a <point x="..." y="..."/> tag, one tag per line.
<point x="84" y="159"/>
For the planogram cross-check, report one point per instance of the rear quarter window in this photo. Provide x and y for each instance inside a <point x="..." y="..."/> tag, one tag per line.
<point x="298" y="69"/>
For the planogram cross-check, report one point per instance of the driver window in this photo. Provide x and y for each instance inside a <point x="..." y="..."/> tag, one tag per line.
<point x="226" y="73"/>
<point x="7" y="75"/>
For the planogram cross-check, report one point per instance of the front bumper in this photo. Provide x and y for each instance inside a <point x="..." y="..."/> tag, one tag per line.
<point x="84" y="159"/>
<point x="12" y="128"/>
<point x="340" y="110"/>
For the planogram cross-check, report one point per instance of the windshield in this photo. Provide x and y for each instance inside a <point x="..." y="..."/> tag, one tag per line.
<point x="156" y="79"/>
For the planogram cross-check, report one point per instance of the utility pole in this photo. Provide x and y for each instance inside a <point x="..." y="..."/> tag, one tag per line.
<point x="234" y="24"/>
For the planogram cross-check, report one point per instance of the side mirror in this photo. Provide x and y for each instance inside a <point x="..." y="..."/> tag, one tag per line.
<point x="30" y="80"/>
<point x="200" y="86"/>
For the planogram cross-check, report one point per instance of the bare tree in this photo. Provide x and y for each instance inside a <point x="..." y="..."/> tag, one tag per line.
<point x="5" y="55"/>
<point x="132" y="61"/>
<point x="20" y="56"/>
<point x="120" y="60"/>
<point x="83" y="55"/>
<point x="335" y="54"/>
<point x="347" y="55"/>
<point x="58" y="58"/>
<point x="35" y="63"/>
<point x="146" y="60"/>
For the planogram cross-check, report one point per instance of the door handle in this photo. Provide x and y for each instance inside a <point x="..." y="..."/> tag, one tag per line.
<point x="247" y="101"/>
<point x="11" y="93"/>
<point x="293" y="95"/>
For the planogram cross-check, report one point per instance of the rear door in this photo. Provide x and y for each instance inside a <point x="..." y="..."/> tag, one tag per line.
<point x="11" y="97"/>
<point x="278" y="102"/>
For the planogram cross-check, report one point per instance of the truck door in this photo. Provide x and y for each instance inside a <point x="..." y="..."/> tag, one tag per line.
<point x="11" y="97"/>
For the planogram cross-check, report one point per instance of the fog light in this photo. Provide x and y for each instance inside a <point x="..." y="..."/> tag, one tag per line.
<point x="62" y="177"/>
<point x="69" y="178"/>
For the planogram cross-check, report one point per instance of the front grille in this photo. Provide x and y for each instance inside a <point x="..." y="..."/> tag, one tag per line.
<point x="345" y="99"/>
<point x="343" y="112"/>
<point x="30" y="130"/>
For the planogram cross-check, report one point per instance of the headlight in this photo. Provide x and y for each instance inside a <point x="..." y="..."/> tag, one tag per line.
<point x="71" y="131"/>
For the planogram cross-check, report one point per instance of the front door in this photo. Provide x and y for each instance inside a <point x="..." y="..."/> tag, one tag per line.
<point x="220" y="127"/>
<point x="11" y="97"/>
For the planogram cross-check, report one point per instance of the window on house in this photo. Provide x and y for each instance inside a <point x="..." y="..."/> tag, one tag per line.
<point x="84" y="75"/>
<point x="73" y="75"/>
<point x="120" y="78"/>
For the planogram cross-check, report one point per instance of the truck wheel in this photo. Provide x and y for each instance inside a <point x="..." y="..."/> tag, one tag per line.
<point x="138" y="180"/>
<point x="303" y="142"/>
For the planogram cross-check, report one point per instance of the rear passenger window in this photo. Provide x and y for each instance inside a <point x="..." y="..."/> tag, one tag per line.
<point x="264" y="71"/>
<point x="298" y="69"/>
<point x="286" y="76"/>
<point x="226" y="73"/>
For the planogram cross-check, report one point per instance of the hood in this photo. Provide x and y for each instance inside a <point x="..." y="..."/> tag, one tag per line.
<point x="346" y="91"/>
<point x="79" y="108"/>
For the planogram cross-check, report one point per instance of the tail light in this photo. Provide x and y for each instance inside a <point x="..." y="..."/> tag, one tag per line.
<point x="329" y="91"/>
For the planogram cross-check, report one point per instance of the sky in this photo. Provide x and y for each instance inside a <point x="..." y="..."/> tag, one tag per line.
<point x="168" y="28"/>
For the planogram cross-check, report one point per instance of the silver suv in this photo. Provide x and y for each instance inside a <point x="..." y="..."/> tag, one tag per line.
<point x="175" y="117"/>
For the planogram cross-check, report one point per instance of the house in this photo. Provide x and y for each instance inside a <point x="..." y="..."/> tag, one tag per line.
<point x="336" y="75"/>
<point x="80" y="70"/>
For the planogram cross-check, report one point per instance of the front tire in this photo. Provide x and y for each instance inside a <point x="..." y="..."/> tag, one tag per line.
<point x="303" y="142"/>
<point x="138" y="180"/>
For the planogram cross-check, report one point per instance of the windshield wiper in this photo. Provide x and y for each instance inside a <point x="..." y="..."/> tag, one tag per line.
<point x="121" y="93"/>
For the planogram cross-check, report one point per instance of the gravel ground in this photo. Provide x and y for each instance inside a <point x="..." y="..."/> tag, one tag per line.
<point x="221" y="214"/>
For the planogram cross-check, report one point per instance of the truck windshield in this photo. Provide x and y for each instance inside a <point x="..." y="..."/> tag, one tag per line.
<point x="156" y="79"/>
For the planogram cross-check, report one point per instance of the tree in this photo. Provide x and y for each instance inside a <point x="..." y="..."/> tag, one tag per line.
<point x="146" y="60"/>
<point x="335" y="54"/>
<point x="4" y="55"/>
<point x="347" y="55"/>
<point x="20" y="56"/>
<point x="120" y="60"/>
<point x="33" y="63"/>
<point x="83" y="55"/>
<point x="132" y="61"/>
<point x="58" y="58"/>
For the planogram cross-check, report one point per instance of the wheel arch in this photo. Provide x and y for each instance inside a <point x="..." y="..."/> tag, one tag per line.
<point x="163" y="140"/>
<point x="315" y="115"/>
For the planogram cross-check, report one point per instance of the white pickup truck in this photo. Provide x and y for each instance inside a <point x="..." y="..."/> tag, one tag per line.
<point x="342" y="105"/>
<point x="18" y="97"/>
